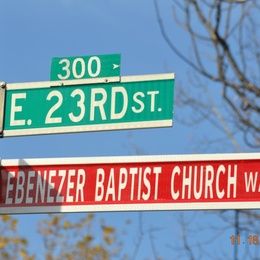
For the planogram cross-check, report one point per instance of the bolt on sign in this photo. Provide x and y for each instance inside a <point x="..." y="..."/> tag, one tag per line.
<point x="87" y="105"/>
<point x="68" y="68"/>
<point x="172" y="182"/>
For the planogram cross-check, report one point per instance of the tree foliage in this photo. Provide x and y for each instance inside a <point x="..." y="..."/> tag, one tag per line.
<point x="12" y="246"/>
<point x="66" y="239"/>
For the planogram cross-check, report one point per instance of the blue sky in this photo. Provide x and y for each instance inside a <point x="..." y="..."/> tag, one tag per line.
<point x="32" y="32"/>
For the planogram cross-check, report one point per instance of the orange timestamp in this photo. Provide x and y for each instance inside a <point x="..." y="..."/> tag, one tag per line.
<point x="251" y="239"/>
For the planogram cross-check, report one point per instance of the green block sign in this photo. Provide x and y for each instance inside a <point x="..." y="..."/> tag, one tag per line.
<point x="68" y="68"/>
<point x="44" y="108"/>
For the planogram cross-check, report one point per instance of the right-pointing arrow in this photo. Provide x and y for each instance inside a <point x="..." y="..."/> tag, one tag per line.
<point x="115" y="66"/>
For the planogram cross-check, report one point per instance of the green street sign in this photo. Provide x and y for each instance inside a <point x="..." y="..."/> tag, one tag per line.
<point x="86" y="105"/>
<point x="68" y="68"/>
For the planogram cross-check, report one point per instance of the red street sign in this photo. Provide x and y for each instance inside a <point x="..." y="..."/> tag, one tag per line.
<point x="181" y="182"/>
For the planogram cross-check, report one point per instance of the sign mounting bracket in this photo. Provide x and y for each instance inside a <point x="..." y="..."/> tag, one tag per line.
<point x="2" y="106"/>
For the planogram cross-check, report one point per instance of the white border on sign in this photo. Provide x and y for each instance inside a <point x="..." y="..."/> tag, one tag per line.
<point x="131" y="159"/>
<point x="88" y="128"/>
<point x="132" y="207"/>
<point x="60" y="83"/>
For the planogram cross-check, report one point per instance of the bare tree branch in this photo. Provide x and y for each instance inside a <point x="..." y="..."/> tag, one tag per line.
<point x="229" y="32"/>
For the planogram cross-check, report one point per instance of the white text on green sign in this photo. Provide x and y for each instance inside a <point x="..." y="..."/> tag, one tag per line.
<point x="68" y="68"/>
<point x="135" y="102"/>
